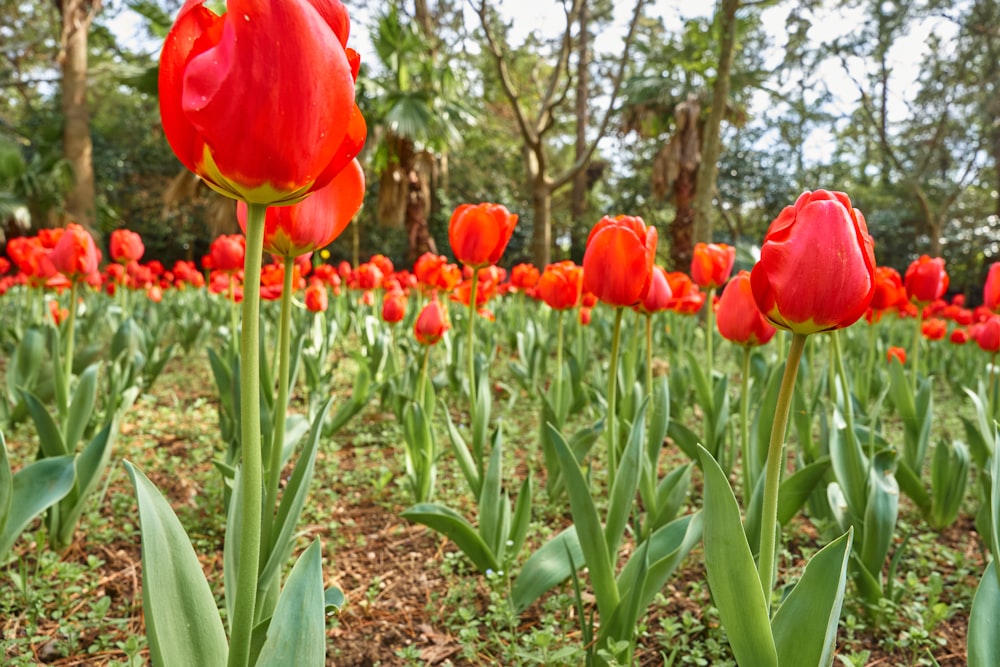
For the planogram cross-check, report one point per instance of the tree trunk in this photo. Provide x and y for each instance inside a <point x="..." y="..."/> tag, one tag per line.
<point x="710" y="149"/>
<point x="541" y="234"/>
<point x="579" y="195"/>
<point x="81" y="201"/>
<point x="417" y="230"/>
<point x="682" y="228"/>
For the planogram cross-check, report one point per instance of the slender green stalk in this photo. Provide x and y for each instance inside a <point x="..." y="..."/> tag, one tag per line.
<point x="612" y="424"/>
<point x="281" y="401"/>
<point x="422" y="384"/>
<point x="838" y="360"/>
<point x="234" y="321"/>
<point x="709" y="332"/>
<point x="250" y="475"/>
<point x="772" y="472"/>
<point x="649" y="356"/>
<point x="915" y="371"/>
<point x="993" y="386"/>
<point x="748" y="478"/>
<point x="870" y="360"/>
<point x="470" y="353"/>
<point x="71" y="330"/>
<point x="559" y="368"/>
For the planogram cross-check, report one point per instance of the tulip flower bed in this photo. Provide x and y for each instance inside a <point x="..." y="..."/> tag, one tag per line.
<point x="450" y="515"/>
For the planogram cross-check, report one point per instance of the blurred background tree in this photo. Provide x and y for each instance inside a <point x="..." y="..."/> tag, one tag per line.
<point x="597" y="108"/>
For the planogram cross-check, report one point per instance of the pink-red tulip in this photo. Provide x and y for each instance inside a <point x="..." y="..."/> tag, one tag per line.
<point x="991" y="290"/>
<point x="817" y="265"/>
<point x="126" y="246"/>
<point x="618" y="261"/>
<point x="431" y="323"/>
<point x="75" y="255"/>
<point x="737" y="316"/>
<point x="926" y="280"/>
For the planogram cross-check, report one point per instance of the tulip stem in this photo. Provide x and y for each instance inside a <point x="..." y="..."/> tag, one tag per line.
<point x="250" y="477"/>
<point x="281" y="401"/>
<point x="749" y="476"/>
<point x="916" y="349"/>
<point x="70" y="331"/>
<point x="422" y="384"/>
<point x="470" y="353"/>
<point x="649" y="355"/>
<point x="709" y="331"/>
<point x="557" y="408"/>
<point x="772" y="473"/>
<point x="613" y="399"/>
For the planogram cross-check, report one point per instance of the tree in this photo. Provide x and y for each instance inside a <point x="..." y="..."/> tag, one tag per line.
<point x="418" y="111"/>
<point x="547" y="100"/>
<point x="936" y="149"/>
<point x="725" y="23"/>
<point x="77" y="17"/>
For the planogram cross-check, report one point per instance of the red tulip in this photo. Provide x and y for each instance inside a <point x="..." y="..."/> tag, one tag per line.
<point x="126" y="246"/>
<point x="394" y="307"/>
<point x="227" y="251"/>
<point x="934" y="328"/>
<point x="988" y="335"/>
<point x="32" y="258"/>
<point x="926" y="280"/>
<point x="737" y="316"/>
<point x="316" y="298"/>
<point x="4" y="265"/>
<point x="817" y="265"/>
<point x="560" y="284"/>
<point x="897" y="353"/>
<point x="155" y="294"/>
<point x="292" y="231"/>
<point x="524" y="277"/>
<point x="479" y="234"/>
<point x="889" y="290"/>
<point x="991" y="290"/>
<point x="431" y="323"/>
<point x="686" y="298"/>
<point x="75" y="256"/>
<point x="259" y="102"/>
<point x="618" y="261"/>
<point x="659" y="295"/>
<point x="712" y="264"/>
<point x="959" y="336"/>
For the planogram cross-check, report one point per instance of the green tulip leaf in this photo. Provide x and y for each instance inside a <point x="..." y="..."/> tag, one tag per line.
<point x="805" y="625"/>
<point x="183" y="626"/>
<point x="297" y="631"/>
<point x="732" y="574"/>
<point x="50" y="438"/>
<point x="81" y="407"/>
<point x="984" y="641"/>
<point x="293" y="499"/>
<point x="33" y="489"/>
<point x="588" y="529"/>
<point x="455" y="527"/>
<point x="546" y="568"/>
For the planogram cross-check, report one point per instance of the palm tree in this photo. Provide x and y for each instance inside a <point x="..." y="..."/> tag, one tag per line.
<point x="417" y="116"/>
